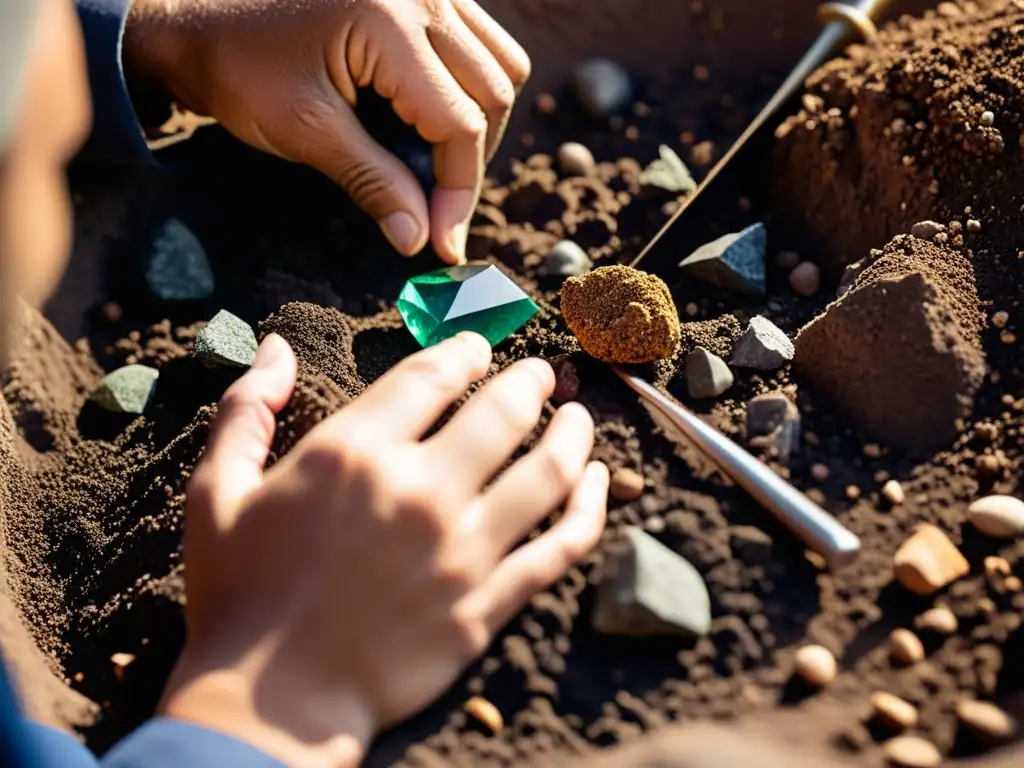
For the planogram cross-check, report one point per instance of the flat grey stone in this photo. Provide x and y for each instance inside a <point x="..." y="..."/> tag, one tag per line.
<point x="668" y="172"/>
<point x="177" y="268"/>
<point x="773" y="423"/>
<point x="762" y="346"/>
<point x="734" y="261"/>
<point x="565" y="259"/>
<point x="707" y="375"/>
<point x="650" y="590"/>
<point x="602" y="87"/>
<point x="227" y="340"/>
<point x="126" y="390"/>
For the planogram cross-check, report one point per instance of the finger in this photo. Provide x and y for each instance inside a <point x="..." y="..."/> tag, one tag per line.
<point x="486" y="431"/>
<point x="537" y="565"/>
<point x="509" y="53"/>
<point x="425" y="94"/>
<point x="240" y="438"/>
<point x="322" y="131"/>
<point x="407" y="400"/>
<point x="478" y="72"/>
<point x="542" y="479"/>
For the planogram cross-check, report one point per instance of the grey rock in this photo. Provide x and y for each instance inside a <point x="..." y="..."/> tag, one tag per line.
<point x="650" y="590"/>
<point x="602" y="87"/>
<point x="773" y="423"/>
<point x="227" y="340"/>
<point x="565" y="259"/>
<point x="668" y="172"/>
<point x="574" y="159"/>
<point x="927" y="230"/>
<point x="734" y="261"/>
<point x="707" y="375"/>
<point x="126" y="390"/>
<point x="762" y="346"/>
<point x="177" y="268"/>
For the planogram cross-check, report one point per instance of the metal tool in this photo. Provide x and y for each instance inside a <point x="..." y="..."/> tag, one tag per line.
<point x="840" y="20"/>
<point x="812" y="524"/>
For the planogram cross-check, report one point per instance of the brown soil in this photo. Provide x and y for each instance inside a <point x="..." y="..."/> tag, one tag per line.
<point x="92" y="502"/>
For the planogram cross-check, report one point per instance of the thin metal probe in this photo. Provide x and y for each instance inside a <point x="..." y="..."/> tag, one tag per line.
<point x="812" y="524"/>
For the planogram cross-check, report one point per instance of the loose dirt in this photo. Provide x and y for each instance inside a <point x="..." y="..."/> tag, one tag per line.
<point x="93" y="503"/>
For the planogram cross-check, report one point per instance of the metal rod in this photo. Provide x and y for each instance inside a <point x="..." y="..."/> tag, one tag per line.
<point x="812" y="524"/>
<point x="817" y="55"/>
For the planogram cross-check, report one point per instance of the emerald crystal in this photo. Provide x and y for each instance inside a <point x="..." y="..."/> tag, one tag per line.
<point x="474" y="297"/>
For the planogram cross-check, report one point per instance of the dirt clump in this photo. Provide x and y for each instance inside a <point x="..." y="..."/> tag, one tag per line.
<point x="621" y="315"/>
<point x="899" y="352"/>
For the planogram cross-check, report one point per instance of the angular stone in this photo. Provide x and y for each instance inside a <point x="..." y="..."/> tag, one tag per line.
<point x="928" y="561"/>
<point x="565" y="259"/>
<point x="668" y="172"/>
<point x="177" y="268"/>
<point x="734" y="261"/>
<point x="227" y="340"/>
<point x="763" y="346"/>
<point x="473" y="297"/>
<point x="126" y="390"/>
<point x="773" y="422"/>
<point x="650" y="590"/>
<point x="602" y="87"/>
<point x="707" y="375"/>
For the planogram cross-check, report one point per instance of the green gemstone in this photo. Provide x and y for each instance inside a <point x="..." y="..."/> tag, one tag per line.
<point x="475" y="297"/>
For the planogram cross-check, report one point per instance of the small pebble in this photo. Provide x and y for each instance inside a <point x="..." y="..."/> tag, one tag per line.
<point x="121" y="662"/>
<point x="973" y="225"/>
<point x="177" y="268"/>
<point x="1013" y="584"/>
<point x="816" y="665"/>
<point x="574" y="159"/>
<point x="691" y="309"/>
<point x="1000" y="319"/>
<point x="565" y="259"/>
<point x="763" y="346"/>
<point x="912" y="752"/>
<point x="988" y="118"/>
<point x="113" y="314"/>
<point x="227" y="340"/>
<point x="546" y="104"/>
<point x="486" y="713"/>
<point x="820" y="473"/>
<point x="126" y="390"/>
<point x="997" y="566"/>
<point x="894" y="493"/>
<point x="626" y="484"/>
<point x="602" y="87"/>
<point x="906" y="647"/>
<point x="707" y="375"/>
<point x="787" y="259"/>
<point x="987" y="720"/>
<point x="703" y="154"/>
<point x="852" y="493"/>
<point x="773" y="423"/>
<point x="928" y="561"/>
<point x="805" y="279"/>
<point x="941" y="621"/>
<point x="894" y="710"/>
<point x="567" y="382"/>
<point x="1001" y="517"/>
<point x="927" y="230"/>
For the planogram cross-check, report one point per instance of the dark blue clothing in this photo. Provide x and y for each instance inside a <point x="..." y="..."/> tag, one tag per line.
<point x="162" y="742"/>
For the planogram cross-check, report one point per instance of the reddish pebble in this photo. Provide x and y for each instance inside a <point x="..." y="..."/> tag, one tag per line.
<point x="805" y="279"/>
<point x="567" y="382"/>
<point x="546" y="104"/>
<point x="626" y="484"/>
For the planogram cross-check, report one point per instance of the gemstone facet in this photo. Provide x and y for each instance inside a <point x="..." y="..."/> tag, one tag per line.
<point x="474" y="297"/>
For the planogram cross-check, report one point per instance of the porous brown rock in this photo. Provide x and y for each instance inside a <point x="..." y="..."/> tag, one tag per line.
<point x="899" y="353"/>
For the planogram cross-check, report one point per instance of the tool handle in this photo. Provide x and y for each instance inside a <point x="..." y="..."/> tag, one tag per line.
<point x="812" y="524"/>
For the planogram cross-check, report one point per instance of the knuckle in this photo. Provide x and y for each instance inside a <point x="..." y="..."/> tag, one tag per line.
<point x="514" y="411"/>
<point x="322" y="460"/>
<point x="362" y="179"/>
<point x="310" y="112"/>
<point x="468" y="121"/>
<point x="559" y="468"/>
<point x="439" y="372"/>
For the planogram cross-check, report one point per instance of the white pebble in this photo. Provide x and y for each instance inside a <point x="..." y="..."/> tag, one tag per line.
<point x="1001" y="517"/>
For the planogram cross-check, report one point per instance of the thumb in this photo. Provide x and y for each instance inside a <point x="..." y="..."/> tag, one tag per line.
<point x="240" y="439"/>
<point x="327" y="135"/>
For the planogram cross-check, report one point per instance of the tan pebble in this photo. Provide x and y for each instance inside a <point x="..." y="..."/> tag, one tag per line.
<point x="546" y="104"/>
<point x="1008" y="338"/>
<point x="894" y="710"/>
<point x="805" y="279"/>
<point x="927" y="230"/>
<point x="940" y="620"/>
<point x="626" y="484"/>
<point x="973" y="225"/>
<point x="121" y="662"/>
<point x="692" y="310"/>
<point x="912" y="752"/>
<point x="928" y="561"/>
<point x="486" y="713"/>
<point x="907" y="647"/>
<point x="997" y="566"/>
<point x="1000" y="319"/>
<point x="987" y="606"/>
<point x="893" y="493"/>
<point x="816" y="665"/>
<point x="574" y="159"/>
<point x="1001" y="517"/>
<point x="820" y="472"/>
<point x="987" y="720"/>
<point x="1013" y="584"/>
<point x="873" y="450"/>
<point x="852" y="492"/>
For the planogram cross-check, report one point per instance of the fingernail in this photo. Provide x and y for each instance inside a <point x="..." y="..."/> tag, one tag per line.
<point x="457" y="242"/>
<point x="401" y="229"/>
<point x="481" y="348"/>
<point x="270" y="352"/>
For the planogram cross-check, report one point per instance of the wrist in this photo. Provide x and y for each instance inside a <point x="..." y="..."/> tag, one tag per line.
<point x="300" y="725"/>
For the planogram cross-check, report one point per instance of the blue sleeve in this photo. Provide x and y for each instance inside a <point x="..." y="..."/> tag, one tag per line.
<point x="117" y="134"/>
<point x="169" y="743"/>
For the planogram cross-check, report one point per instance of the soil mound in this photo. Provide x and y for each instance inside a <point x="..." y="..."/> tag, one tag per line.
<point x="899" y="353"/>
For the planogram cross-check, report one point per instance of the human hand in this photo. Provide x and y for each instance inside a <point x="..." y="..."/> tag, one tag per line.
<point x="348" y="586"/>
<point x="282" y="77"/>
